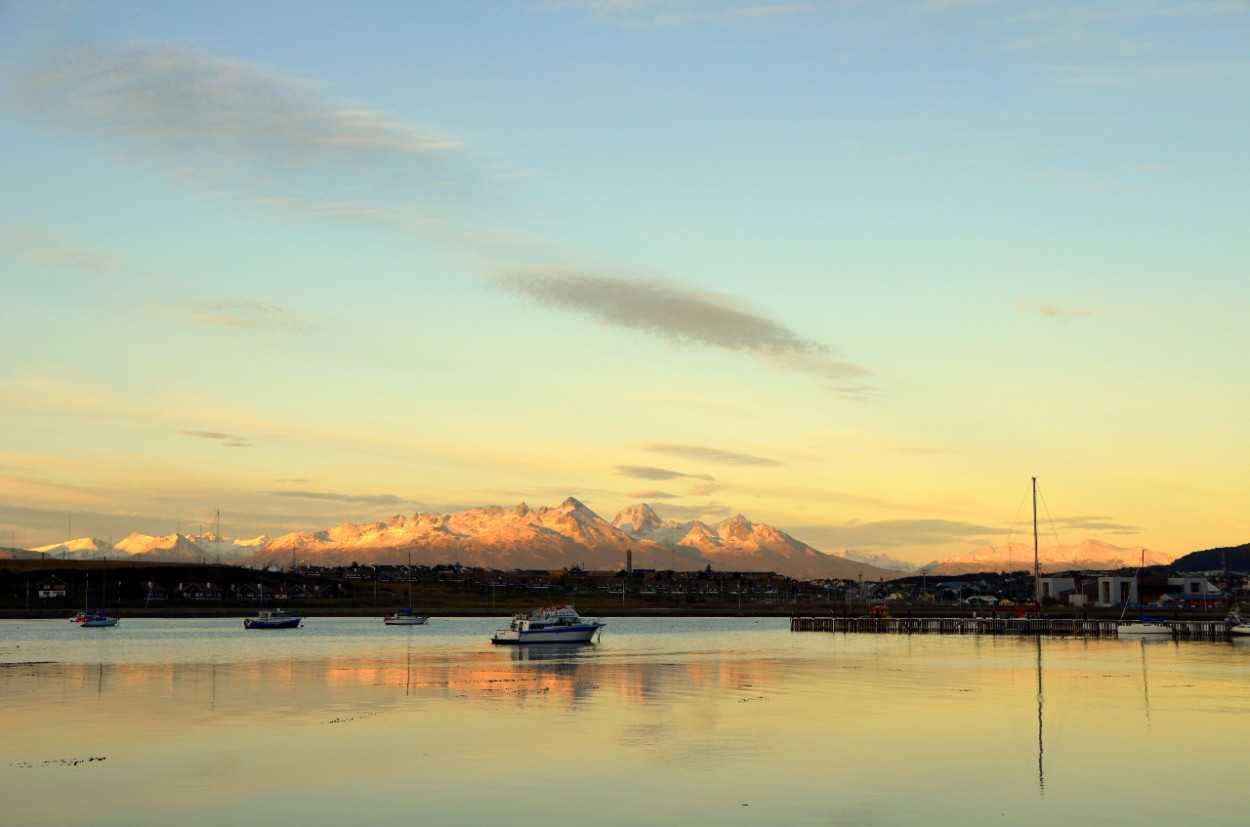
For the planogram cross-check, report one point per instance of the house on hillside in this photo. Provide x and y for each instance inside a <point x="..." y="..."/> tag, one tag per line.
<point x="153" y="591"/>
<point x="52" y="589"/>
<point x="294" y="591"/>
<point x="198" y="591"/>
<point x="250" y="591"/>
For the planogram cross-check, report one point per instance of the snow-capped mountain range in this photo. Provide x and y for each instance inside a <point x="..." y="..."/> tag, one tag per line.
<point x="571" y="534"/>
<point x="507" y="538"/>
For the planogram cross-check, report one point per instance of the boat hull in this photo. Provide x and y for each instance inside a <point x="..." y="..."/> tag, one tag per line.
<point x="405" y="621"/>
<point x="1140" y="628"/>
<point x="284" y="623"/>
<point x="405" y="617"/>
<point x="571" y="634"/>
<point x="1241" y="630"/>
<point x="97" y="622"/>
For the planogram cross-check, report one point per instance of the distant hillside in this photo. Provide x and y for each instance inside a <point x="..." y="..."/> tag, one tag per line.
<point x="1237" y="558"/>
<point x="1088" y="555"/>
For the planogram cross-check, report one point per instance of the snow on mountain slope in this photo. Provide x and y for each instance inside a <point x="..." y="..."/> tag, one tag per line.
<point x="552" y="538"/>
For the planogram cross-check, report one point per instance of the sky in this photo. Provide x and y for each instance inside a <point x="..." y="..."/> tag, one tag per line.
<point x="857" y="270"/>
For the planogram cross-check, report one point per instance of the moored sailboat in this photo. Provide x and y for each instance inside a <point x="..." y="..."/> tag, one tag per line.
<point x="93" y="619"/>
<point x="406" y="617"/>
<point x="1143" y="625"/>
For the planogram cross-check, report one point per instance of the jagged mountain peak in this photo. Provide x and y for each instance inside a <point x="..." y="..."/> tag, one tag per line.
<point x="736" y="527"/>
<point x="572" y="505"/>
<point x="639" y="517"/>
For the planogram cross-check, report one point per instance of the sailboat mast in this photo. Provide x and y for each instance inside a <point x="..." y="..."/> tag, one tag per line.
<point x="1037" y="568"/>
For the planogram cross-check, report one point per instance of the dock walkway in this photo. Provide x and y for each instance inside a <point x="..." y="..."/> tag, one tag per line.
<point x="994" y="626"/>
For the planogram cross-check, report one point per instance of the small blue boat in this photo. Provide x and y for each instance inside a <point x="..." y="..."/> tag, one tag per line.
<point x="89" y="620"/>
<point x="275" y="619"/>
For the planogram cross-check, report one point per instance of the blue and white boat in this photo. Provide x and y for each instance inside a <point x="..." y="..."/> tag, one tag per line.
<point x="275" y="619"/>
<point x="553" y="624"/>
<point x="89" y="620"/>
<point x="94" y="618"/>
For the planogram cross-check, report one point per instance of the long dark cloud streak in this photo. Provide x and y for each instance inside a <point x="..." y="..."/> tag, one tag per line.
<point x="330" y="496"/>
<point x="647" y="472"/>
<point x="240" y="128"/>
<point x="680" y="316"/>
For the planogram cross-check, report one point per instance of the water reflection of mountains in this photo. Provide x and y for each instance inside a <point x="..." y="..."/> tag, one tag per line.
<point x="561" y="674"/>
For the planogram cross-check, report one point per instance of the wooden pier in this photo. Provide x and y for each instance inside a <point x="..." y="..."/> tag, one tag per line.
<point x="1071" y="627"/>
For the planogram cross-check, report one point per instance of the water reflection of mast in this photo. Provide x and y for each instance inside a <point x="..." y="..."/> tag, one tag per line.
<point x="408" y="676"/>
<point x="1041" y="772"/>
<point x="1145" y="686"/>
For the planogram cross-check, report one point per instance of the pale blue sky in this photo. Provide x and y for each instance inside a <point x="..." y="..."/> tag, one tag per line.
<point x="311" y="263"/>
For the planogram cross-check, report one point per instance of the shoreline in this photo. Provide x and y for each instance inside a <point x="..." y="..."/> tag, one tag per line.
<point x="590" y="610"/>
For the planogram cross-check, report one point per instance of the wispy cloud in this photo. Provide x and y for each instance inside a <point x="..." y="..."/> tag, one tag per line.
<point x="1051" y="311"/>
<point x="710" y="511"/>
<point x="647" y="472"/>
<point x="246" y="315"/>
<point x="667" y="14"/>
<point x="226" y="440"/>
<point x="706" y="454"/>
<point x="184" y="101"/>
<point x="651" y="494"/>
<point x="234" y="127"/>
<point x="680" y="316"/>
<point x="45" y="247"/>
<point x="355" y="499"/>
<point x="1100" y="523"/>
<point x="1152" y="76"/>
<point x="893" y="534"/>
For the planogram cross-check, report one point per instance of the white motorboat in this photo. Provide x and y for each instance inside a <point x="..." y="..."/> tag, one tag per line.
<point x="405" y="617"/>
<point x="553" y="624"/>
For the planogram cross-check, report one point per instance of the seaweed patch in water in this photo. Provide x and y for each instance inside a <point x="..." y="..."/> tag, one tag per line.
<point x="58" y="762"/>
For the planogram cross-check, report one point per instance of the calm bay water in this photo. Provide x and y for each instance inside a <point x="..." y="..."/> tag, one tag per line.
<point x="682" y="721"/>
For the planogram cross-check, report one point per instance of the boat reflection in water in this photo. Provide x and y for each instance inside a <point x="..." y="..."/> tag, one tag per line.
<point x="551" y="653"/>
<point x="553" y="624"/>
